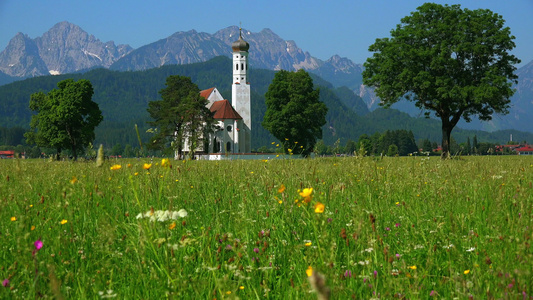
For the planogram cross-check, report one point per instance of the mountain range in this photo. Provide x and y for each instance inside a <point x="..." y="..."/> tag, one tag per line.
<point x="66" y="48"/>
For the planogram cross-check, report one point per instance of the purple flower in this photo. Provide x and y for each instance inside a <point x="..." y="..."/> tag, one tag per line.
<point x="397" y="256"/>
<point x="329" y="220"/>
<point x="38" y="244"/>
<point x="228" y="247"/>
<point x="388" y="229"/>
<point x="256" y="250"/>
<point x="375" y="273"/>
<point x="5" y="283"/>
<point x="347" y="274"/>
<point x="432" y="293"/>
<point x="397" y="224"/>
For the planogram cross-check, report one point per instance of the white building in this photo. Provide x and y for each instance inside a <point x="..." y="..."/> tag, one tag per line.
<point x="232" y="121"/>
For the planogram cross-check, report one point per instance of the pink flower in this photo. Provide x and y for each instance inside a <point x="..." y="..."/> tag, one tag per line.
<point x="5" y="283"/>
<point x="38" y="244"/>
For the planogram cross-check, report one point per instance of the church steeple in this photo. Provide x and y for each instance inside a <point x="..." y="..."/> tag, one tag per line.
<point x="240" y="92"/>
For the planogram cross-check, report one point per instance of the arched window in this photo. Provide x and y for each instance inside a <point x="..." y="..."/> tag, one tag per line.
<point x="237" y="67"/>
<point x="228" y="146"/>
<point x="242" y="66"/>
<point x="229" y="128"/>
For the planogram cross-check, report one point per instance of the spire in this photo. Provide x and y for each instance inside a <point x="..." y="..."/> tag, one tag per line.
<point x="240" y="44"/>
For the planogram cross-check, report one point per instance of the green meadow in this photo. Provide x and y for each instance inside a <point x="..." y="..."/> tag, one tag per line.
<point x="350" y="228"/>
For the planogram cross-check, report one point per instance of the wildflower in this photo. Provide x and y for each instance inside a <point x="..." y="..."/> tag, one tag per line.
<point x="38" y="244"/>
<point x="129" y="165"/>
<point x="172" y="226"/>
<point x="256" y="250"/>
<point x="308" y="243"/>
<point x="319" y="208"/>
<point x="397" y="224"/>
<point x="228" y="292"/>
<point x="466" y="272"/>
<point x="241" y="287"/>
<point x="73" y="180"/>
<point x="136" y="173"/>
<point x="13" y="219"/>
<point x="32" y="227"/>
<point x="375" y="273"/>
<point x="471" y="249"/>
<point x="147" y="166"/>
<point x="309" y="271"/>
<point x="165" y="163"/>
<point x="397" y="203"/>
<point x="397" y="256"/>
<point x="432" y="293"/>
<point x="5" y="282"/>
<point x="388" y="229"/>
<point x="347" y="274"/>
<point x="281" y="189"/>
<point x="412" y="267"/>
<point x="306" y="194"/>
<point x="63" y="222"/>
<point x="115" y="167"/>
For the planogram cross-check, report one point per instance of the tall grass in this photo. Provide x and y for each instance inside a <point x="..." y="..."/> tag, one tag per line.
<point x="394" y="228"/>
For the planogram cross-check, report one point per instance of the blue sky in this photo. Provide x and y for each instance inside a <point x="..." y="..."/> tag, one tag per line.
<point x="323" y="28"/>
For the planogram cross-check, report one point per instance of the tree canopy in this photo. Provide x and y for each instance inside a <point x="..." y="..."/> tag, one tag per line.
<point x="180" y="116"/>
<point x="66" y="117"/>
<point x="294" y="113"/>
<point x="450" y="61"/>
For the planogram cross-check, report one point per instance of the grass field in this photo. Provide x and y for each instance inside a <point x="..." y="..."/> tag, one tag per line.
<point x="406" y="227"/>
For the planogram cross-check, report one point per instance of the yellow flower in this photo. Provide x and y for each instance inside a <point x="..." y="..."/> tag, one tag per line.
<point x="136" y="173"/>
<point x="165" y="162"/>
<point x="115" y="167"/>
<point x="281" y="189"/>
<point x="32" y="227"/>
<point x="228" y="292"/>
<point x="73" y="180"/>
<point x="309" y="271"/>
<point x="147" y="166"/>
<point x="309" y="243"/>
<point x="319" y="208"/>
<point x="129" y="165"/>
<point x="306" y="194"/>
<point x="280" y="201"/>
<point x="412" y="267"/>
<point x="13" y="219"/>
<point x="63" y="222"/>
<point x="273" y="143"/>
<point x="277" y="145"/>
<point x="172" y="226"/>
<point x="466" y="272"/>
<point x="241" y="287"/>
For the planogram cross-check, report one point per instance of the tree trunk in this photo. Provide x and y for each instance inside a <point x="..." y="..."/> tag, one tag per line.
<point x="446" y="135"/>
<point x="58" y="154"/>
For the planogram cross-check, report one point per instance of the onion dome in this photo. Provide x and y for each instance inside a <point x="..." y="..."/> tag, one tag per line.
<point x="240" y="44"/>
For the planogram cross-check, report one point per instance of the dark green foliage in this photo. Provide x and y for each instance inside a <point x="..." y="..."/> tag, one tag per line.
<point x="66" y="117"/>
<point x="449" y="61"/>
<point x="294" y="112"/>
<point x="181" y="115"/>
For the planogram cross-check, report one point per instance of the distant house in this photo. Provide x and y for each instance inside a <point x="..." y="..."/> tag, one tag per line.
<point x="7" y="154"/>
<point x="524" y="150"/>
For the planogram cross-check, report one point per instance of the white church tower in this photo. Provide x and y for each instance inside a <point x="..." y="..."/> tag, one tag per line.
<point x="240" y="93"/>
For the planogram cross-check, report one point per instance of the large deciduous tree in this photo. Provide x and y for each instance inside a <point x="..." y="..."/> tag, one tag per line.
<point x="180" y="116"/>
<point x="450" y="61"/>
<point x="294" y="112"/>
<point x="66" y="117"/>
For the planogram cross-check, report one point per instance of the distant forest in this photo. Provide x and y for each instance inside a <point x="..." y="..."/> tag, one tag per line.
<point x="123" y="98"/>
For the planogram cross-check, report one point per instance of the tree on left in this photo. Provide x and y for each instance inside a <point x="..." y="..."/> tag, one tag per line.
<point x="66" y="117"/>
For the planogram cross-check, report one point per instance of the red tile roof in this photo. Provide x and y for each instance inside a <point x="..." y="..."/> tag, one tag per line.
<point x="206" y="93"/>
<point x="524" y="149"/>
<point x="224" y="110"/>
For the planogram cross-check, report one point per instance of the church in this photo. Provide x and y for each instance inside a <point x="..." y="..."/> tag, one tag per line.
<point x="233" y="124"/>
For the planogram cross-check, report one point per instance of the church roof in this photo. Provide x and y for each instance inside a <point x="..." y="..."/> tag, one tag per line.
<point x="224" y="110"/>
<point x="240" y="44"/>
<point x="206" y="93"/>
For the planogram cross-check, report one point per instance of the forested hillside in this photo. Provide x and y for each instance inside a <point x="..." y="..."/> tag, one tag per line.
<point x="123" y="98"/>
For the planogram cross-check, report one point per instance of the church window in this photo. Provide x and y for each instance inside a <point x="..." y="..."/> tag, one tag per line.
<point x="228" y="146"/>
<point x="242" y="67"/>
<point x="236" y="66"/>
<point x="229" y="128"/>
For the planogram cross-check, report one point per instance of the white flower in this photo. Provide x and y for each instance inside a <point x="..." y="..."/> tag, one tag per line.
<point x="471" y="249"/>
<point x="182" y="213"/>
